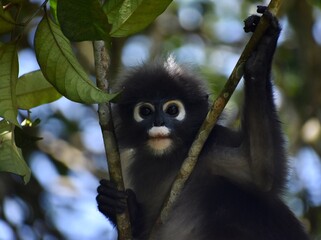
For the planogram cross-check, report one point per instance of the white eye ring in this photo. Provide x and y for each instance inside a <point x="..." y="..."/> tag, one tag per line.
<point x="137" y="110"/>
<point x="180" y="107"/>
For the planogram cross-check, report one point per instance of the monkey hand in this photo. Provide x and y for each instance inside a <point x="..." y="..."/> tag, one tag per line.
<point x="111" y="201"/>
<point x="258" y="65"/>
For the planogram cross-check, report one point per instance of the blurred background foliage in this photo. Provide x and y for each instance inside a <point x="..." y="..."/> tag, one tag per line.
<point x="59" y="201"/>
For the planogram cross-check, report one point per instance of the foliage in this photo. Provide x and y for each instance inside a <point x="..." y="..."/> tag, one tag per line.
<point x="33" y="90"/>
<point x="61" y="68"/>
<point x="10" y="154"/>
<point x="60" y="73"/>
<point x="93" y="24"/>
<point x="126" y="16"/>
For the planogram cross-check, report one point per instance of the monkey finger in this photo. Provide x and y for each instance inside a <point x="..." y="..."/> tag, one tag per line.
<point x="261" y="9"/>
<point x="111" y="192"/>
<point x="105" y="200"/>
<point x="110" y="212"/>
<point x="250" y="23"/>
<point x="107" y="183"/>
<point x="110" y="202"/>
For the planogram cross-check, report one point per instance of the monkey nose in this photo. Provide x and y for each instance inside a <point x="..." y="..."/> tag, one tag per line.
<point x="159" y="121"/>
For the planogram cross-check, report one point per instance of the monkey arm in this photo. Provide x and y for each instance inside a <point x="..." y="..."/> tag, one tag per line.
<point x="263" y="141"/>
<point x="255" y="155"/>
<point x="230" y="163"/>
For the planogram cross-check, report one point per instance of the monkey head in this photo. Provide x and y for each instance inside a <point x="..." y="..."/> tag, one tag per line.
<point x="161" y="108"/>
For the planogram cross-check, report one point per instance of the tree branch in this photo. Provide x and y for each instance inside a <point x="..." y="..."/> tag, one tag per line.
<point x="211" y="119"/>
<point x="107" y="126"/>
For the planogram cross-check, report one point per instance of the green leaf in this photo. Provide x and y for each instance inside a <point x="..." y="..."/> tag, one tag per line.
<point x="33" y="90"/>
<point x="131" y="16"/>
<point x="82" y="20"/>
<point x="7" y="23"/>
<point x="60" y="67"/>
<point x="8" y="80"/>
<point x="11" y="159"/>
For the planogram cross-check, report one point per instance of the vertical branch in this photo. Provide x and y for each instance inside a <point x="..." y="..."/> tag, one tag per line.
<point x="211" y="119"/>
<point x="107" y="126"/>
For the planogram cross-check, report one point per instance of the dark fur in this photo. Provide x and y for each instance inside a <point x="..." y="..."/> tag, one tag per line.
<point x="233" y="193"/>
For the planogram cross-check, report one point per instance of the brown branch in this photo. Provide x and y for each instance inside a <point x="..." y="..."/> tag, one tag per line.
<point x="211" y="119"/>
<point x="107" y="126"/>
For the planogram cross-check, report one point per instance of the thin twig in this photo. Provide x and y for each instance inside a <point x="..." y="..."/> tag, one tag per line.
<point x="106" y="122"/>
<point x="211" y="119"/>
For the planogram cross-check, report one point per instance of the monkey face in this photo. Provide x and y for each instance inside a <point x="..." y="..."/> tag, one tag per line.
<point x="159" y="120"/>
<point x="159" y="126"/>
<point x="160" y="109"/>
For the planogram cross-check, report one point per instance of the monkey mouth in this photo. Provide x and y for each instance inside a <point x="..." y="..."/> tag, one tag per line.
<point x="159" y="145"/>
<point x="159" y="139"/>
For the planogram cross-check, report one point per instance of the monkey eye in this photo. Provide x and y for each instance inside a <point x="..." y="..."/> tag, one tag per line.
<point x="142" y="110"/>
<point x="145" y="111"/>
<point x="172" y="110"/>
<point x="175" y="109"/>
